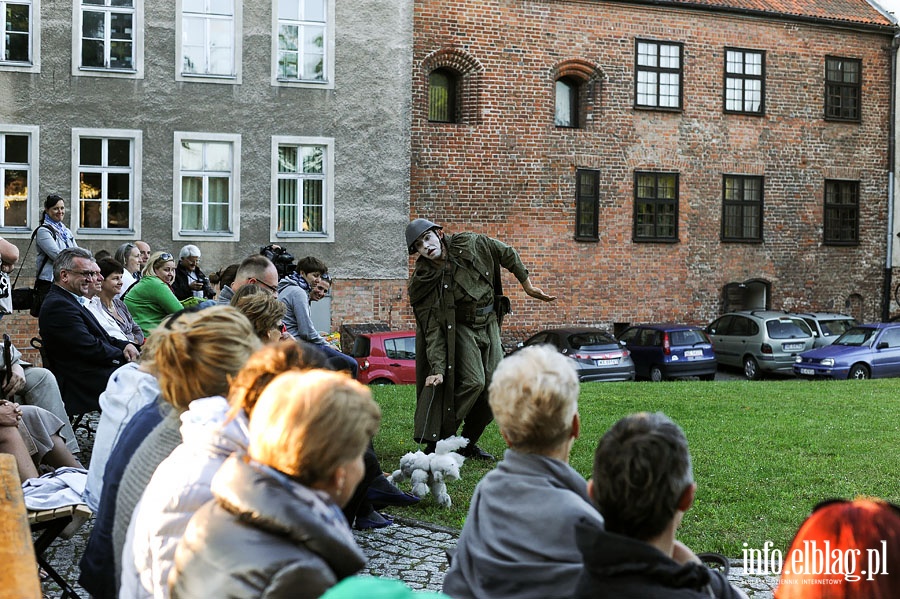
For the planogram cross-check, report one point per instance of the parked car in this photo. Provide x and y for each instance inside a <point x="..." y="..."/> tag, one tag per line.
<point x="597" y="354"/>
<point x="827" y="326"/>
<point x="386" y="358"/>
<point x="865" y="351"/>
<point x="664" y="351"/>
<point x="759" y="340"/>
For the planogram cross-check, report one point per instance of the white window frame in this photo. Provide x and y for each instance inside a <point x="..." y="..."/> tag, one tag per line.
<point x="33" y="64"/>
<point x="234" y="78"/>
<point x="136" y="137"/>
<point x="34" y="176"/>
<point x="328" y="81"/>
<point x="234" y="213"/>
<point x="137" y="72"/>
<point x="327" y="236"/>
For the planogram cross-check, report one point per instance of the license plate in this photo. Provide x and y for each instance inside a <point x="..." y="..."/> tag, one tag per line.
<point x="808" y="371"/>
<point x="792" y="346"/>
<point x="693" y="353"/>
<point x="606" y="362"/>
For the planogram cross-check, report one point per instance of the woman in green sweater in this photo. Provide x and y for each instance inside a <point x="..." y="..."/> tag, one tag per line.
<point x="151" y="299"/>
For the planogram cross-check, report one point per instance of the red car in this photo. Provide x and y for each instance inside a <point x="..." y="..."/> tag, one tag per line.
<point x="386" y="358"/>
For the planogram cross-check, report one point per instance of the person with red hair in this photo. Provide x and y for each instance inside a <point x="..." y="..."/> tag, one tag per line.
<point x="845" y="550"/>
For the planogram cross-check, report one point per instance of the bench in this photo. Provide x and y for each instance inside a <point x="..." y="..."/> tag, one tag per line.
<point x="58" y="523"/>
<point x="19" y="574"/>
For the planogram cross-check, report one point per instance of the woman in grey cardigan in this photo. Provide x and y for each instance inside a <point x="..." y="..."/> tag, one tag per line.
<point x="51" y="237"/>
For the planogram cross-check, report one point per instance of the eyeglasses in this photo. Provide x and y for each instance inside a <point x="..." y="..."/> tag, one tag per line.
<point x="87" y="274"/>
<point x="264" y="284"/>
<point x="164" y="257"/>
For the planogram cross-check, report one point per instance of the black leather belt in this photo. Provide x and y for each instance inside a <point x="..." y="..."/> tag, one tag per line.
<point x="485" y="310"/>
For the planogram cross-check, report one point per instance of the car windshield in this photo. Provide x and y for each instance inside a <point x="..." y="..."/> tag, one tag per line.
<point x="581" y="340"/>
<point x="836" y="327"/>
<point x="691" y="337"/>
<point x="788" y="328"/>
<point x="856" y="336"/>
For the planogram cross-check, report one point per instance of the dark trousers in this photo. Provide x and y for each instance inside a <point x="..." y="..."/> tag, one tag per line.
<point x="358" y="503"/>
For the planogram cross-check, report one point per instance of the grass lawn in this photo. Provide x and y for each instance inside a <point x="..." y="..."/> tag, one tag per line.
<point x="764" y="452"/>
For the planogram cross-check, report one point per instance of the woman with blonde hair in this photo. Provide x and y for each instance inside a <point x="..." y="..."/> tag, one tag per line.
<point x="308" y="433"/>
<point x="151" y="299"/>
<point x="263" y="311"/>
<point x="195" y="354"/>
<point x="180" y="485"/>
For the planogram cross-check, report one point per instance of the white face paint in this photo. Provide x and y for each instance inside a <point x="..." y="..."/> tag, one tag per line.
<point x="429" y="245"/>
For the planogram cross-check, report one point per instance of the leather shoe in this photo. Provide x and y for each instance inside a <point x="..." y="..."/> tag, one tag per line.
<point x="476" y="453"/>
<point x="372" y="520"/>
<point x="381" y="493"/>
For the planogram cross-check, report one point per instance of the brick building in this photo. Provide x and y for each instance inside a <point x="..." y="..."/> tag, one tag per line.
<point x="661" y="160"/>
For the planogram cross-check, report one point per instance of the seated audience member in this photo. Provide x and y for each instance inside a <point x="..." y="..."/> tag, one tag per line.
<point x="195" y="354"/>
<point x="129" y="256"/>
<point x="181" y="483"/>
<point x="33" y="436"/>
<point x="307" y="435"/>
<point x="82" y="355"/>
<point x="151" y="299"/>
<point x="224" y="277"/>
<point x="294" y="291"/>
<point x="256" y="269"/>
<point x="145" y="254"/>
<point x="263" y="311"/>
<point x="189" y="279"/>
<point x="519" y="536"/>
<point x="866" y="532"/>
<point x="110" y="311"/>
<point x="129" y="389"/>
<point x="643" y="484"/>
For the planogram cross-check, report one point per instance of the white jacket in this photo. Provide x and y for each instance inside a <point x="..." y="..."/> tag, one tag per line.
<point x="127" y="391"/>
<point x="180" y="485"/>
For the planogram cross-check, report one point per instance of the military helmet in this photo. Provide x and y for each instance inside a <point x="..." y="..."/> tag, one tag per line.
<point x="415" y="229"/>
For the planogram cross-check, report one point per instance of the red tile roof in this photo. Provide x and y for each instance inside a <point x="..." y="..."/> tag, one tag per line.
<point x="846" y="11"/>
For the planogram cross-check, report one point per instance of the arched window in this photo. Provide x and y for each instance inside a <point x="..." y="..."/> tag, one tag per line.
<point x="442" y="96"/>
<point x="567" y="92"/>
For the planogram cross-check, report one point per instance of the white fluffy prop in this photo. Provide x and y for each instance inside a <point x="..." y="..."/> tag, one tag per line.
<point x="431" y="472"/>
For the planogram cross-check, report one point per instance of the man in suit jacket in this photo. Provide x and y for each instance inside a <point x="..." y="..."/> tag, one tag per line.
<point x="81" y="354"/>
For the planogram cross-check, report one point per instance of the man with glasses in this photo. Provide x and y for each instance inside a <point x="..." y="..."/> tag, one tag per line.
<point x="296" y="291"/>
<point x="81" y="354"/>
<point x="256" y="270"/>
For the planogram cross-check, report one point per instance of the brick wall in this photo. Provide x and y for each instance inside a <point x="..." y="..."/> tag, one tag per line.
<point x="510" y="173"/>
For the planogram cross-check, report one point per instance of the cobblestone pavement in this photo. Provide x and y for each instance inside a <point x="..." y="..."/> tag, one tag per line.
<point x="411" y="551"/>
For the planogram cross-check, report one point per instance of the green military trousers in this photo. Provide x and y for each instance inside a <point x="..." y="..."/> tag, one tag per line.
<point x="478" y="351"/>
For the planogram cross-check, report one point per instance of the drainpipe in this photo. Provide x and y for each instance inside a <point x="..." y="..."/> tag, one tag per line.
<point x="888" y="271"/>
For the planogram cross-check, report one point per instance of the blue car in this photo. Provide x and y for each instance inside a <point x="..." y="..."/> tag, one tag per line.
<point x="665" y="351"/>
<point x="865" y="351"/>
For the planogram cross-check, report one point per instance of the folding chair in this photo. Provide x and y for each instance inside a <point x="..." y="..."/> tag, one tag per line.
<point x="53" y="524"/>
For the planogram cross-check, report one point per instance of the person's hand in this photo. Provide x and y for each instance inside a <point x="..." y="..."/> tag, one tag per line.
<point x="10" y="413"/>
<point x="535" y="292"/>
<point x="196" y="285"/>
<point x="131" y="353"/>
<point x="434" y="380"/>
<point x="682" y="554"/>
<point x="16" y="382"/>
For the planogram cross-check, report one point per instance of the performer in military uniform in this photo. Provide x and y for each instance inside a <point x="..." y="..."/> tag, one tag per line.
<point x="452" y="292"/>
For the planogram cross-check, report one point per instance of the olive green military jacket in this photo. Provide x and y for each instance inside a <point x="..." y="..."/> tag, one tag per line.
<point x="444" y="296"/>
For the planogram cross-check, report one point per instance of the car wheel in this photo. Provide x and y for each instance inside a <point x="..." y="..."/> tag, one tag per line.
<point x="859" y="372"/>
<point x="656" y="374"/>
<point x="751" y="368"/>
<point x="382" y="382"/>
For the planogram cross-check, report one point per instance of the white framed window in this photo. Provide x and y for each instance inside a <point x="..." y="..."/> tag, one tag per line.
<point x="302" y="188"/>
<point x="207" y="186"/>
<point x="107" y="182"/>
<point x="19" y="173"/>
<point x="209" y="41"/>
<point x="303" y="43"/>
<point x="20" y="44"/>
<point x="108" y="38"/>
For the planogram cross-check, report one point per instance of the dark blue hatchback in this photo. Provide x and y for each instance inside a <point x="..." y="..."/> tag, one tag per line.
<point x="666" y="350"/>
